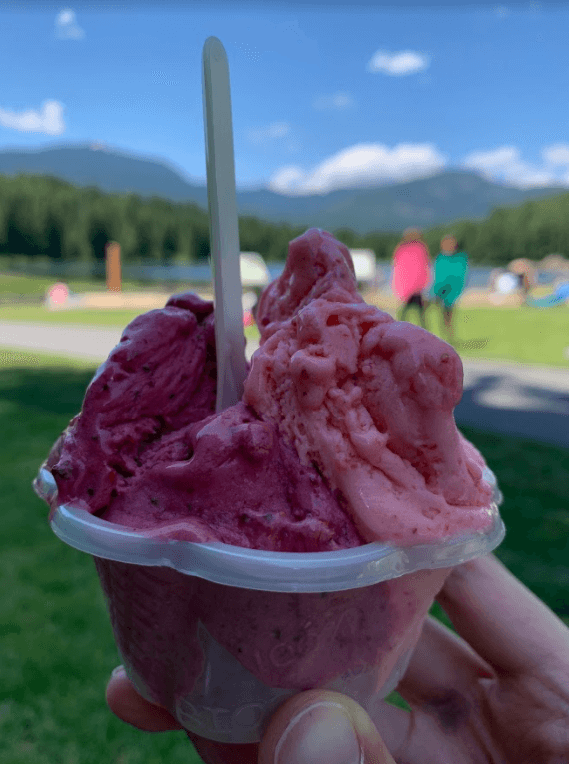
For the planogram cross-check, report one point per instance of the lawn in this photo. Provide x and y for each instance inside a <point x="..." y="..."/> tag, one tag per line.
<point x="105" y="318"/>
<point x="57" y="645"/>
<point x="525" y="335"/>
<point x="37" y="314"/>
<point x="31" y="286"/>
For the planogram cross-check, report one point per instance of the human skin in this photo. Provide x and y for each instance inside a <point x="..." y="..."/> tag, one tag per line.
<point x="498" y="693"/>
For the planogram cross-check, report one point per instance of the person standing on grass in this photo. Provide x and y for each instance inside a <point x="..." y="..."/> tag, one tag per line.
<point x="411" y="273"/>
<point x="451" y="269"/>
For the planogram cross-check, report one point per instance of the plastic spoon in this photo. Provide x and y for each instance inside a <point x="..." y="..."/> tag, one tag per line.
<point x="223" y="223"/>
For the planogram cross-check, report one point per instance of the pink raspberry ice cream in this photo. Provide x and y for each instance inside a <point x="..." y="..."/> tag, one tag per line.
<point x="367" y="399"/>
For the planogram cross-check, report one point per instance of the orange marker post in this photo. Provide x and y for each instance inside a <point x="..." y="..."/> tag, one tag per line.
<point x="113" y="264"/>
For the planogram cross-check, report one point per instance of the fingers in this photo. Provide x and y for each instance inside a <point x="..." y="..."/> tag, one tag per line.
<point x="440" y="661"/>
<point x="312" y="724"/>
<point x="322" y="727"/>
<point x="125" y="702"/>
<point x="503" y="621"/>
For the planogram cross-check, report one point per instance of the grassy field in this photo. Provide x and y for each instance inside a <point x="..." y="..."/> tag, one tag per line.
<point x="525" y="335"/>
<point x="16" y="284"/>
<point x="114" y="318"/>
<point x="57" y="646"/>
<point x="90" y="317"/>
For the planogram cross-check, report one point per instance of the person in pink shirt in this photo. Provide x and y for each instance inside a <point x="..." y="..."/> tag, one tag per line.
<point x="411" y="273"/>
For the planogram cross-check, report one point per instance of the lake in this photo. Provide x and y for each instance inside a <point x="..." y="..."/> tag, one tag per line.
<point x="478" y="275"/>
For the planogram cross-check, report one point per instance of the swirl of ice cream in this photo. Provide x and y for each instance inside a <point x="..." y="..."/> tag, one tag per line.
<point x="367" y="399"/>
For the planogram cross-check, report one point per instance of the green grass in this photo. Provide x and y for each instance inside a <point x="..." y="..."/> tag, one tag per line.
<point x="509" y="333"/>
<point x="14" y="283"/>
<point x="57" y="646"/>
<point x="116" y="318"/>
<point x="535" y="482"/>
<point x="525" y="335"/>
<point x="90" y="317"/>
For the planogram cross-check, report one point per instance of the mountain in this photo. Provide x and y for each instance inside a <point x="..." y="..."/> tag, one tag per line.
<point x="426" y="202"/>
<point x="110" y="170"/>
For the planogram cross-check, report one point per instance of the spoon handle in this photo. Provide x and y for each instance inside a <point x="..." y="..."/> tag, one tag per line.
<point x="224" y="229"/>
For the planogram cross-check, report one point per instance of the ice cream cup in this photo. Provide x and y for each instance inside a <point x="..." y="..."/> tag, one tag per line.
<point x="221" y="635"/>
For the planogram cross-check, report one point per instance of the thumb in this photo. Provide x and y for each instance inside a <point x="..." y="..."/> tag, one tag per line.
<point x="322" y="727"/>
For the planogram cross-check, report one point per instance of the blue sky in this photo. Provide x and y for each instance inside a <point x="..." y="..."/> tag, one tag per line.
<point x="325" y="96"/>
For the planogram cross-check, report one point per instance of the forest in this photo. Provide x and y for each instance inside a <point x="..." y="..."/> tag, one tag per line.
<point x="43" y="217"/>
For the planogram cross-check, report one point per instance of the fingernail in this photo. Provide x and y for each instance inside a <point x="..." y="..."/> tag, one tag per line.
<point x="321" y="734"/>
<point x="118" y="671"/>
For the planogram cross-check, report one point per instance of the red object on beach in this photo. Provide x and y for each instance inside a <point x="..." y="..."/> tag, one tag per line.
<point x="411" y="269"/>
<point x="58" y="294"/>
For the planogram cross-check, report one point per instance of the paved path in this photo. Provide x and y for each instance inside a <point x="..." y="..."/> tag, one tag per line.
<point x="89" y="342"/>
<point x="529" y="401"/>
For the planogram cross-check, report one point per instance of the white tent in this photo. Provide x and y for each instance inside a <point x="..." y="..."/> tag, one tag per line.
<point x="254" y="271"/>
<point x="364" y="264"/>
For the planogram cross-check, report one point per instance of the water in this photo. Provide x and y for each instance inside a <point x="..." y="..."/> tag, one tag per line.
<point x="478" y="276"/>
<point x="201" y="274"/>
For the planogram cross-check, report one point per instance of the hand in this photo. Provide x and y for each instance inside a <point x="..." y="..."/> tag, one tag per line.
<point x="499" y="693"/>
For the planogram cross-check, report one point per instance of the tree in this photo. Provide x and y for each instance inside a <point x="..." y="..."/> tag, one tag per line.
<point x="98" y="236"/>
<point x="45" y="216"/>
<point x="347" y="237"/>
<point x="200" y="243"/>
<point x="170" y="242"/>
<point x="54" y="237"/>
<point x="18" y="240"/>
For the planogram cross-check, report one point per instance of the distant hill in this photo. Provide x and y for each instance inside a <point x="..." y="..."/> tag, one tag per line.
<point x="439" y="199"/>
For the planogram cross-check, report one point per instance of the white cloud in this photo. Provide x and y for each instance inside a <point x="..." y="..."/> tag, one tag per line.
<point x="339" y="100"/>
<point x="286" y="178"/>
<point x="397" y="64"/>
<point x="558" y="154"/>
<point x="373" y="164"/>
<point x="49" y="119"/>
<point x="365" y="164"/>
<point x="66" y="26"/>
<point x="505" y="164"/>
<point x="271" y="132"/>
<point x="492" y="161"/>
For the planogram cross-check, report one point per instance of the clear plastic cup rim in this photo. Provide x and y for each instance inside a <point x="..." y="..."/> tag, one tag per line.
<point x="264" y="570"/>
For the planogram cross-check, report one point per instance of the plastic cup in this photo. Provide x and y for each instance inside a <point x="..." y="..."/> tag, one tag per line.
<point x="221" y="635"/>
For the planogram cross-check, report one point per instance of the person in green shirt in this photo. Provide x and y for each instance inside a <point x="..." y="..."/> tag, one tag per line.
<point x="451" y="269"/>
